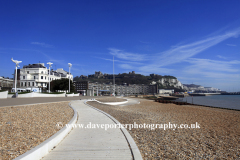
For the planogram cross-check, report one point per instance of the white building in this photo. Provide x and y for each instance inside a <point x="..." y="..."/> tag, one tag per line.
<point x="125" y="89"/>
<point x="37" y="76"/>
<point x="198" y="88"/>
<point x="166" y="91"/>
<point x="6" y="82"/>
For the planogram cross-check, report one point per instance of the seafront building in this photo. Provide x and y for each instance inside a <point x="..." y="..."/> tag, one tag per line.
<point x="198" y="88"/>
<point x="37" y="76"/>
<point x="6" y="83"/>
<point x="83" y="87"/>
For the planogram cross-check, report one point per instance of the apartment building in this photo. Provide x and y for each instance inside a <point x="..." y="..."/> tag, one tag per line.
<point x="6" y="83"/>
<point x="81" y="87"/>
<point x="37" y="76"/>
<point x="124" y="89"/>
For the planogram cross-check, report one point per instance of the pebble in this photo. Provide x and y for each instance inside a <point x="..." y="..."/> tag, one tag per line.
<point x="219" y="130"/>
<point x="22" y="126"/>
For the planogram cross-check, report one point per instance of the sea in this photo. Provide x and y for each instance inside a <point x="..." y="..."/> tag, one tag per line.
<point x="222" y="101"/>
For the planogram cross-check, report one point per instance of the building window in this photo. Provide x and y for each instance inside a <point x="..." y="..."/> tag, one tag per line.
<point x="32" y="83"/>
<point x="25" y="83"/>
<point x="45" y="77"/>
<point x="34" y="77"/>
<point x="23" y="77"/>
<point x="41" y="77"/>
<point x="41" y="84"/>
<point x="21" y="83"/>
<point x="27" y="72"/>
<point x="28" y="83"/>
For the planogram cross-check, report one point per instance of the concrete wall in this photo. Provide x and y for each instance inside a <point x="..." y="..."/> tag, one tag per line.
<point x="48" y="95"/>
<point x="3" y="94"/>
<point x="76" y="95"/>
<point x="35" y="94"/>
<point x="69" y="95"/>
<point x="10" y="95"/>
<point x="26" y="95"/>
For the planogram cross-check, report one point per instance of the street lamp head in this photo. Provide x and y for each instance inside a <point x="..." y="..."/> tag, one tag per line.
<point x="16" y="61"/>
<point x="50" y="64"/>
<point x="69" y="64"/>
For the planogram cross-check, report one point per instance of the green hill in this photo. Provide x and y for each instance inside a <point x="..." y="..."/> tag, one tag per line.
<point x="130" y="78"/>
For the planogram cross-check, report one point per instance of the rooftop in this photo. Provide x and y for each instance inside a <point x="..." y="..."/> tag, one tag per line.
<point x="38" y="65"/>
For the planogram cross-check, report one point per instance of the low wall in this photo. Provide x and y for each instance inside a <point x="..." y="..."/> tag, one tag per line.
<point x="76" y="95"/>
<point x="10" y="95"/>
<point x="69" y="95"/>
<point x="3" y="95"/>
<point x="35" y="94"/>
<point x="112" y="103"/>
<point x="25" y="95"/>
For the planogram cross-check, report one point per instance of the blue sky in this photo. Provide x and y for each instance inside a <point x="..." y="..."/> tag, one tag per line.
<point x="195" y="40"/>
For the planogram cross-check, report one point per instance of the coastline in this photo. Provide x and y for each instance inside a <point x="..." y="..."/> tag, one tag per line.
<point x="216" y="101"/>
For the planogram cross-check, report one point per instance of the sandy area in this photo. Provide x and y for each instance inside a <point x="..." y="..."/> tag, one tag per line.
<point x="24" y="127"/>
<point x="111" y="99"/>
<point x="217" y="138"/>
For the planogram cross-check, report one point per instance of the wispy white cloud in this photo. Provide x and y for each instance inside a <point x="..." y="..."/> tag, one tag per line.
<point x="107" y="59"/>
<point x="222" y="57"/>
<point x="176" y="54"/>
<point x="120" y="61"/>
<point x="126" y="66"/>
<point x="212" y="70"/>
<point x="127" y="55"/>
<point x="233" y="45"/>
<point x="42" y="44"/>
<point x="207" y="71"/>
<point x="148" y="69"/>
<point x="180" y="53"/>
<point x="212" y="65"/>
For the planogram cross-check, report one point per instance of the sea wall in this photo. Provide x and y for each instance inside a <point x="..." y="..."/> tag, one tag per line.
<point x="3" y="95"/>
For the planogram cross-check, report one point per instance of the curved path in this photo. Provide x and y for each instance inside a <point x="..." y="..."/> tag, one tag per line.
<point x="95" y="143"/>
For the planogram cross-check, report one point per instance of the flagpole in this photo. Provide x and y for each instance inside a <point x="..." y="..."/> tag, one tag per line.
<point x="113" y="79"/>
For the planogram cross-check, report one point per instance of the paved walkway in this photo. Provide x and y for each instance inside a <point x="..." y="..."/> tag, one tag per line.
<point x="23" y="101"/>
<point x="91" y="143"/>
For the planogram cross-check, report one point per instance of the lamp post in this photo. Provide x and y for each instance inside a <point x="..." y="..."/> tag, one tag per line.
<point x="17" y="62"/>
<point x="69" y="65"/>
<point x="113" y="79"/>
<point x="50" y="65"/>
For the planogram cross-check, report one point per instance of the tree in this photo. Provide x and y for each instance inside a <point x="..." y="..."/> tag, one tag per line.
<point x="62" y="84"/>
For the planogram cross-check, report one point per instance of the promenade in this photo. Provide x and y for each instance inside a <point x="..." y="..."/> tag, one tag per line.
<point x="95" y="143"/>
<point x="87" y="143"/>
<point x="22" y="101"/>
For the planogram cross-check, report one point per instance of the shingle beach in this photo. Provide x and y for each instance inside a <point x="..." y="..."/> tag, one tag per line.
<point x="24" y="127"/>
<point x="217" y="138"/>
